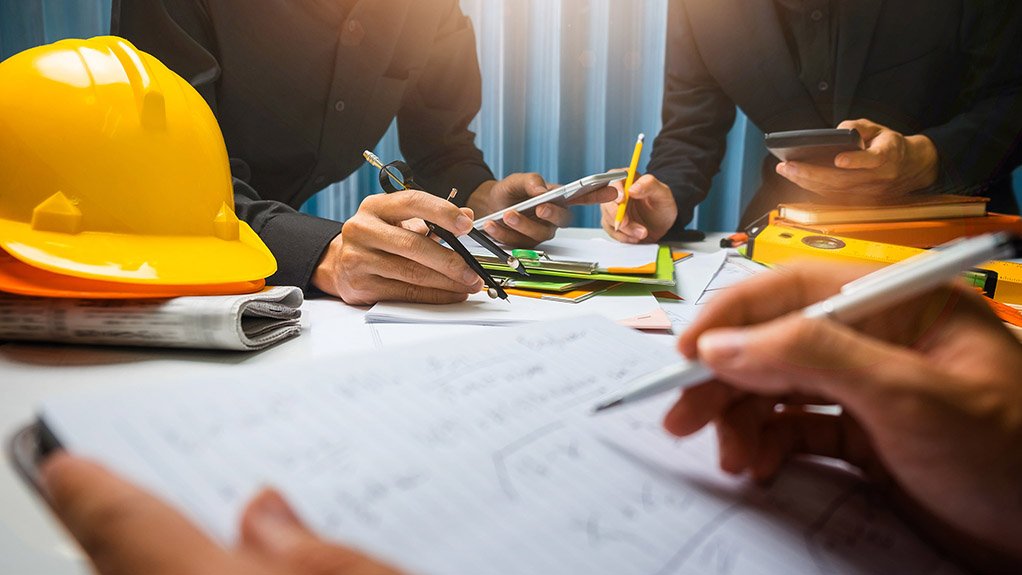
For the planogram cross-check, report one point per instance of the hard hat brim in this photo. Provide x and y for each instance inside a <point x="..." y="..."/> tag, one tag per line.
<point x="19" y="278"/>
<point x="142" y="260"/>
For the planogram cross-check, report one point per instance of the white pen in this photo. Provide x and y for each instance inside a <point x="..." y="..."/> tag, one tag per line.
<point x="856" y="300"/>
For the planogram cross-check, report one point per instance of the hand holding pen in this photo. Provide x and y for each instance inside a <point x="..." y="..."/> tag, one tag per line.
<point x="396" y="176"/>
<point x="376" y="258"/>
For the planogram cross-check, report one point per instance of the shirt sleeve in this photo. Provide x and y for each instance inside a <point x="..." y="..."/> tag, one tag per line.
<point x="697" y="116"/>
<point x="179" y="33"/>
<point x="439" y="105"/>
<point x="982" y="144"/>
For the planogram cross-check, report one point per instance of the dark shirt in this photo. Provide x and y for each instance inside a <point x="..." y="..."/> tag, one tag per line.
<point x="302" y="88"/>
<point x="810" y="28"/>
<point x="947" y="69"/>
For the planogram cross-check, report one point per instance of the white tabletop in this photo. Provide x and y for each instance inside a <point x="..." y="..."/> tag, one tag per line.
<point x="31" y="541"/>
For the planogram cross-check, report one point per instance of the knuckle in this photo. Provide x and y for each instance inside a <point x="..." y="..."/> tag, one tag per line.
<point x="314" y="556"/>
<point x="371" y="203"/>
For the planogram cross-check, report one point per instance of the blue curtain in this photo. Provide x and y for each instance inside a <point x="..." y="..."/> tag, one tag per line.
<point x="567" y="85"/>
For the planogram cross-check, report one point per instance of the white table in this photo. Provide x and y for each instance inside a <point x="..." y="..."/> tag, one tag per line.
<point x="32" y="542"/>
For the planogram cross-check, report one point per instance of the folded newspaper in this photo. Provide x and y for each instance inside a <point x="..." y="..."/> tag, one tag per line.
<point x="236" y="322"/>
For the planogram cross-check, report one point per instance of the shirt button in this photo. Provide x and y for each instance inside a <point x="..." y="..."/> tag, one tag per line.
<point x="352" y="33"/>
<point x="816" y="15"/>
<point x="823" y="86"/>
<point x="339" y="105"/>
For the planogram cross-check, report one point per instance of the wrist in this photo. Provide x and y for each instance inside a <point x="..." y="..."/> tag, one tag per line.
<point x="924" y="161"/>
<point x="481" y="199"/>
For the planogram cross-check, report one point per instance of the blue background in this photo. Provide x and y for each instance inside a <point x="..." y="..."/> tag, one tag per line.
<point x="567" y="85"/>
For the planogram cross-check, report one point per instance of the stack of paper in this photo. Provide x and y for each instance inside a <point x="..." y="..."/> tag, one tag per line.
<point x="626" y="305"/>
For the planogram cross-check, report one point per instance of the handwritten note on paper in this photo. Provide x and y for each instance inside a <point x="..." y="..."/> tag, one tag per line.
<point x="482" y="460"/>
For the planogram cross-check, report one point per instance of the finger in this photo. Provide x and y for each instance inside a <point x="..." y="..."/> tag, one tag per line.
<point x="644" y="187"/>
<point x="608" y="213"/>
<point x="739" y="430"/>
<point x="867" y="129"/>
<point x="602" y="195"/>
<point x="825" y="179"/>
<point x="374" y="289"/>
<point x="559" y="216"/>
<point x="523" y="186"/>
<point x="797" y="286"/>
<point x="273" y="532"/>
<point x="633" y="229"/>
<point x="535" y="230"/>
<point x="794" y="432"/>
<point x="376" y="235"/>
<point x="813" y="357"/>
<point x="882" y="150"/>
<point x="399" y="206"/>
<point x="411" y="272"/>
<point x="123" y="529"/>
<point x="698" y="406"/>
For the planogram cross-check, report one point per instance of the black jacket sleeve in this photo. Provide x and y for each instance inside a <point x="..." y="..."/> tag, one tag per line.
<point x="439" y="105"/>
<point x="981" y="145"/>
<point x="697" y="116"/>
<point x="179" y="34"/>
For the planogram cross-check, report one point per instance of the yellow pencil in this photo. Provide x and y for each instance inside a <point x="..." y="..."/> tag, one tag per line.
<point x="623" y="206"/>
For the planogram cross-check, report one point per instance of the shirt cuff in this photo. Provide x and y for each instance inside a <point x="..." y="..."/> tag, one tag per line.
<point x="298" y="241"/>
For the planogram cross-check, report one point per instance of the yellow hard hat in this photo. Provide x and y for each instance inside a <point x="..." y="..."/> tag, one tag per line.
<point x="113" y="168"/>
<point x="19" y="278"/>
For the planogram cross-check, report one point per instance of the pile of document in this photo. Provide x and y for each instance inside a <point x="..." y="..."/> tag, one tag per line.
<point x="645" y="287"/>
<point x="567" y="277"/>
<point x="231" y="322"/>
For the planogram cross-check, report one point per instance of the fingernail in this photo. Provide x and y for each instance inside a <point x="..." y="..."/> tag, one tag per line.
<point x="512" y="218"/>
<point x="470" y="277"/>
<point x="273" y="524"/>
<point x="463" y="222"/>
<point x="641" y="232"/>
<point x="542" y="211"/>
<point x="635" y="189"/>
<point x="721" y="346"/>
<point x="491" y="227"/>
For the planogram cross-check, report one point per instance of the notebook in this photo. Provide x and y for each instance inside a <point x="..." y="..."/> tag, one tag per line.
<point x="479" y="455"/>
<point x="907" y="209"/>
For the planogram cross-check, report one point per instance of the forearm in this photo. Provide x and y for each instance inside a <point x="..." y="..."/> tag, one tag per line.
<point x="298" y="241"/>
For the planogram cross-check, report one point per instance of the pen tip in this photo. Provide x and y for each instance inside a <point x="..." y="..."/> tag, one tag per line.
<point x="606" y="406"/>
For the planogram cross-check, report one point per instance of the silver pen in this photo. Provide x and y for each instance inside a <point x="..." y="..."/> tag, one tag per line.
<point x="856" y="300"/>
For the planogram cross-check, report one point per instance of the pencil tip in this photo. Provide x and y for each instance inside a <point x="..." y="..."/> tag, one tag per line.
<point x="617" y="226"/>
<point x="606" y="406"/>
<point x="642" y="137"/>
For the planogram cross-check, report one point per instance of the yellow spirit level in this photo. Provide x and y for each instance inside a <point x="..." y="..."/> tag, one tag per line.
<point x="776" y="245"/>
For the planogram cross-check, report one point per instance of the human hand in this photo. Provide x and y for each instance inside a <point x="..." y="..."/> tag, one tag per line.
<point x="525" y="230"/>
<point x="652" y="211"/>
<point x="891" y="165"/>
<point x="932" y="404"/>
<point x="382" y="254"/>
<point x="126" y="531"/>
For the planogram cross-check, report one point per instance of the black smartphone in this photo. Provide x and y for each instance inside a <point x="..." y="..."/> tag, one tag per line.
<point x="813" y="146"/>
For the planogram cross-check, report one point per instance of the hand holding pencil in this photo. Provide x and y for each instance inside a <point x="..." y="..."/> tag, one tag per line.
<point x="644" y="209"/>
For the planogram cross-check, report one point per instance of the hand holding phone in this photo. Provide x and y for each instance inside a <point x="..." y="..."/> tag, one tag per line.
<point x="860" y="158"/>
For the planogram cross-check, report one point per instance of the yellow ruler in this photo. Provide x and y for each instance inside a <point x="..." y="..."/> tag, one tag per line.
<point x="777" y="245"/>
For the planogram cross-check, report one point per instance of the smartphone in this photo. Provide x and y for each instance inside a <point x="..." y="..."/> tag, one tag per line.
<point x="560" y="195"/>
<point x="813" y="146"/>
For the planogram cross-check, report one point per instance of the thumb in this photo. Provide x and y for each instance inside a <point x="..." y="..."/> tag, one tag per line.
<point x="813" y="357"/>
<point x="123" y="529"/>
<point x="270" y="529"/>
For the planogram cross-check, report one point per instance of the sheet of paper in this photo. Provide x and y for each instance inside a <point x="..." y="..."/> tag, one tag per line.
<point x="480" y="456"/>
<point x="736" y="269"/>
<point x="481" y="310"/>
<point x="608" y="253"/>
<point x="695" y="273"/>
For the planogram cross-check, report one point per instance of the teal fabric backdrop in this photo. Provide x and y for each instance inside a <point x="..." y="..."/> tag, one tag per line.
<point x="567" y="85"/>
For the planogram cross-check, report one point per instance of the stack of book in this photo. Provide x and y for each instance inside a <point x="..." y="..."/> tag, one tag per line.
<point x="920" y="222"/>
